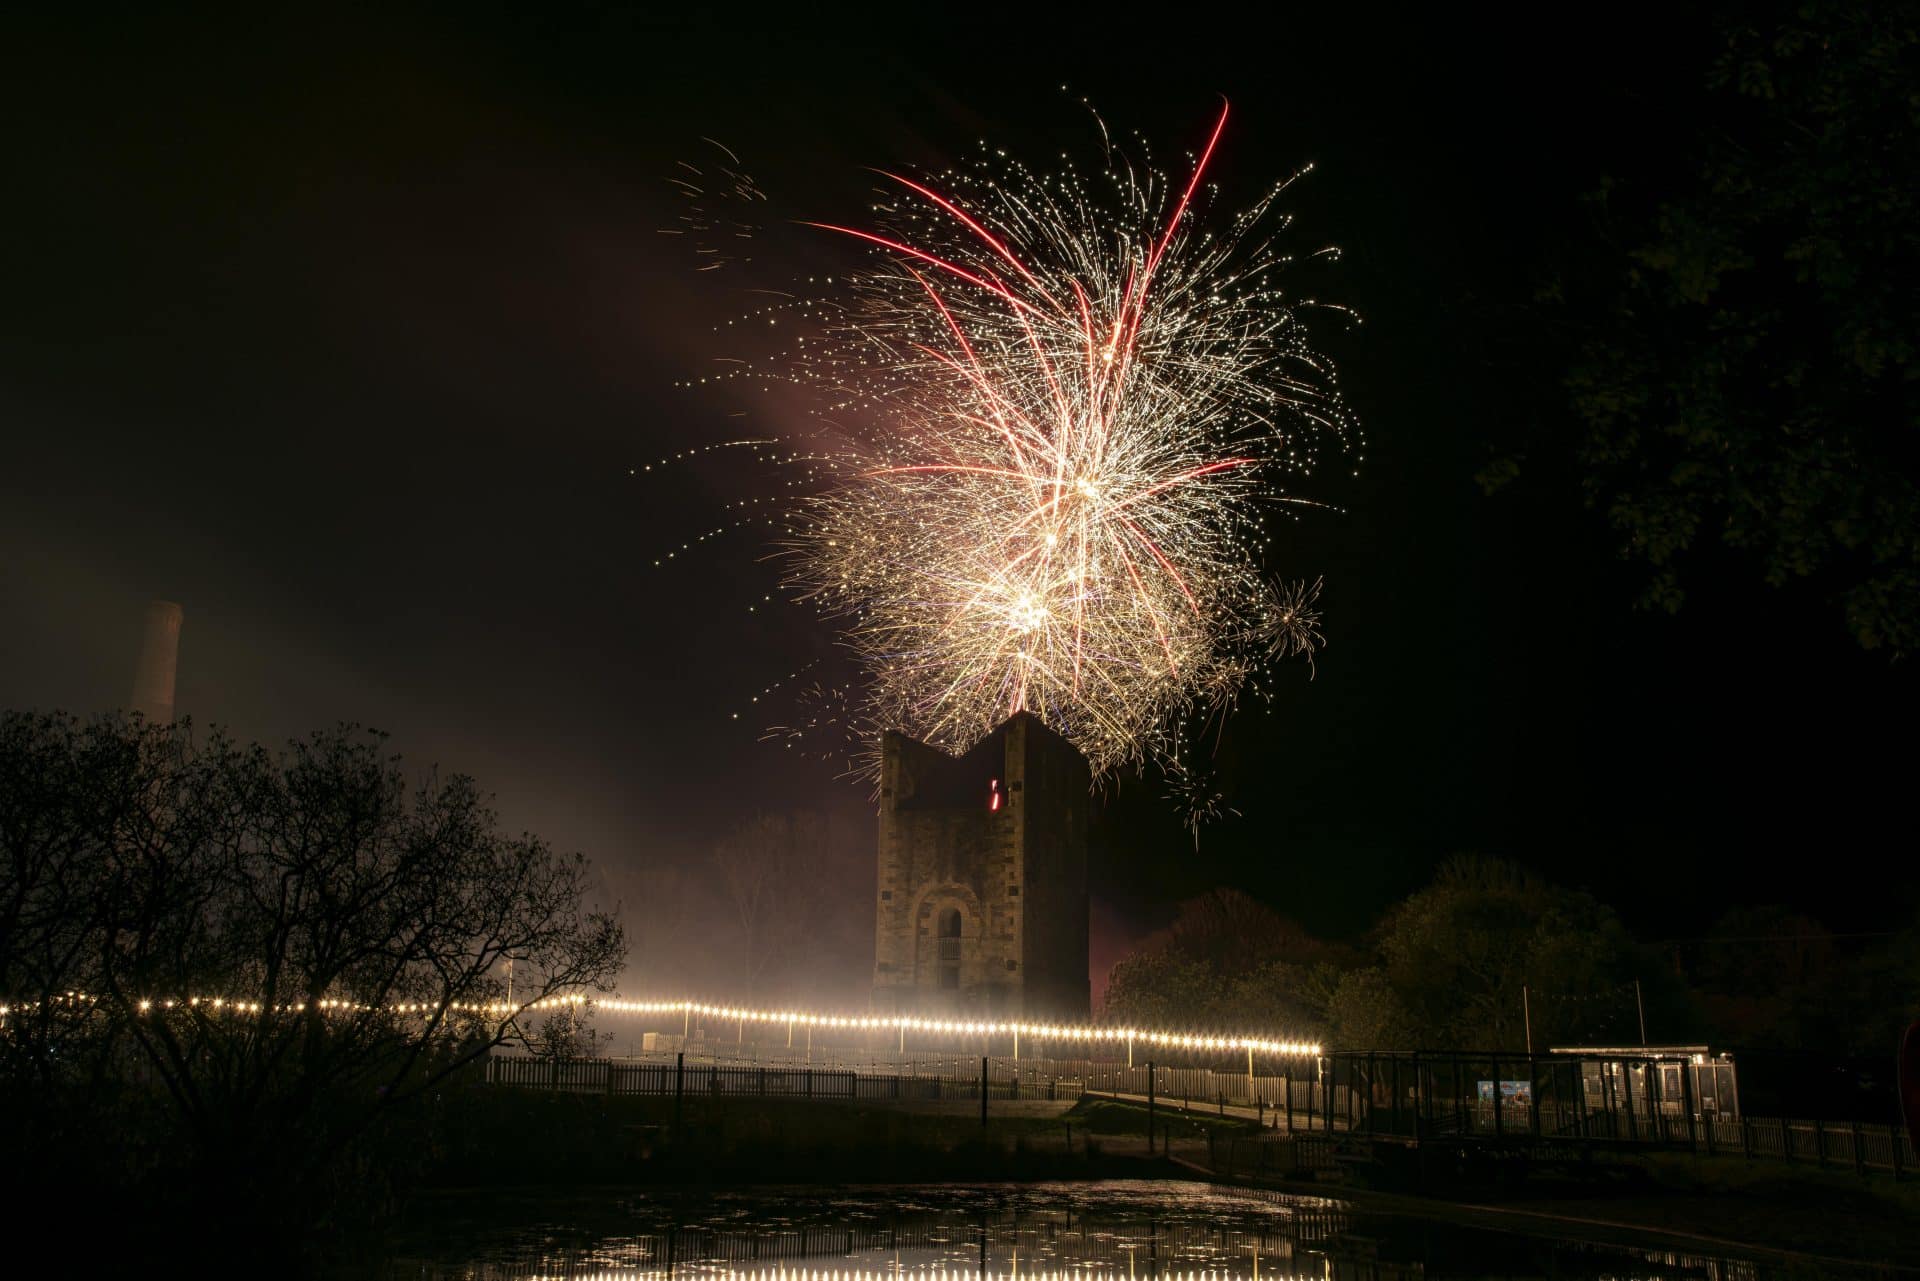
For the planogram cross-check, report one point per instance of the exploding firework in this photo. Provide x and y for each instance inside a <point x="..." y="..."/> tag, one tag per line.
<point x="1073" y="409"/>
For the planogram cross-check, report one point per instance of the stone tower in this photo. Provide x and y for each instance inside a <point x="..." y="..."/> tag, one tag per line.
<point x="982" y="905"/>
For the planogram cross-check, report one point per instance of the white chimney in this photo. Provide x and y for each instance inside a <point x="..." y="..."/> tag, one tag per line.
<point x="159" y="659"/>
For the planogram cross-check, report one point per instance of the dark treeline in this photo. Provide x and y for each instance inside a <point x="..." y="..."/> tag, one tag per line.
<point x="1733" y="366"/>
<point x="1488" y="948"/>
<point x="233" y="977"/>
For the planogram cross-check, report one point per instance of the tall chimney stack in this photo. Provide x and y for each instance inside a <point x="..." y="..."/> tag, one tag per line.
<point x="159" y="659"/>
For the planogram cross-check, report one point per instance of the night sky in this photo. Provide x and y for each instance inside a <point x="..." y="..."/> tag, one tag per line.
<point x="347" y="336"/>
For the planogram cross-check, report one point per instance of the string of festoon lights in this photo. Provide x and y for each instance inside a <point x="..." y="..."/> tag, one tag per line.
<point x="1079" y="1033"/>
<point x="643" y="1273"/>
<point x="1083" y="1033"/>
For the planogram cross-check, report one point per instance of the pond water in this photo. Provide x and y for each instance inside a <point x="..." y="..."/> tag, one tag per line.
<point x="1117" y="1231"/>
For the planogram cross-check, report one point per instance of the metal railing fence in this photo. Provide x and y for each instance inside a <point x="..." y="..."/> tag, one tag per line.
<point x="1435" y="1099"/>
<point x="616" y="1078"/>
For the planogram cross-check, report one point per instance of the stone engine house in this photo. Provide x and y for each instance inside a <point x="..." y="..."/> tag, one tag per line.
<point x="982" y="904"/>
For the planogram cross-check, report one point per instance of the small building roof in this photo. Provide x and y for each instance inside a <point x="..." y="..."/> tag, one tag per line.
<point x="1635" y="1051"/>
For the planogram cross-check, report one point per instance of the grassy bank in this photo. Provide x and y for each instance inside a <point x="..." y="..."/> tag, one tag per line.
<point x="499" y="1137"/>
<point x="1692" y="1201"/>
<point x="1725" y="1201"/>
<point x="1829" y="1212"/>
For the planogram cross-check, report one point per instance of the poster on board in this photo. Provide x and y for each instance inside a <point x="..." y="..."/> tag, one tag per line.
<point x="1520" y="1092"/>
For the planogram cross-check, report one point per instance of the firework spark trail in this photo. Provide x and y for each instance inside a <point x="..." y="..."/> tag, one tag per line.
<point x="713" y="230"/>
<point x="1081" y="407"/>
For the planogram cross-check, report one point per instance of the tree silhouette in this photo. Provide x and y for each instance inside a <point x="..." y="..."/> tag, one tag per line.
<point x="288" y="945"/>
<point x="1745" y="375"/>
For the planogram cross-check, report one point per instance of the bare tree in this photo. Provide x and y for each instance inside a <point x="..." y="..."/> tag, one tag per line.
<point x="567" y="1033"/>
<point x="668" y="922"/>
<point x="65" y="790"/>
<point x="289" y="944"/>
<point x="775" y="869"/>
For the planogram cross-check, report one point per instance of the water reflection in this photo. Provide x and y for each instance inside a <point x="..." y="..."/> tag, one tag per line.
<point x="1125" y="1231"/>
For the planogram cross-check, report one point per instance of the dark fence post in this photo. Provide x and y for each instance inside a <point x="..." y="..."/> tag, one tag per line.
<point x="1579" y="1097"/>
<point x="1421" y="1097"/>
<point x="1559" y="1099"/>
<point x="1859" y="1156"/>
<point x="1746" y="1137"/>
<point x="983" y="1092"/>
<point x="809" y="1082"/>
<point x="679" y="1091"/>
<point x="1652" y="1095"/>
<point x="1686" y="1101"/>
<point x="1895" y="1141"/>
<point x="1819" y="1140"/>
<point x="1150" y="1102"/>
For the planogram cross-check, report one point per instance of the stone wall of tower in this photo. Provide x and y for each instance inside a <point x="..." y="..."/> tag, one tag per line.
<point x="998" y="835"/>
<point x="1049" y="788"/>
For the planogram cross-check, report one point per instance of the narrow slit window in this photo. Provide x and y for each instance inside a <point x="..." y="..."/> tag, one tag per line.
<point x="950" y="949"/>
